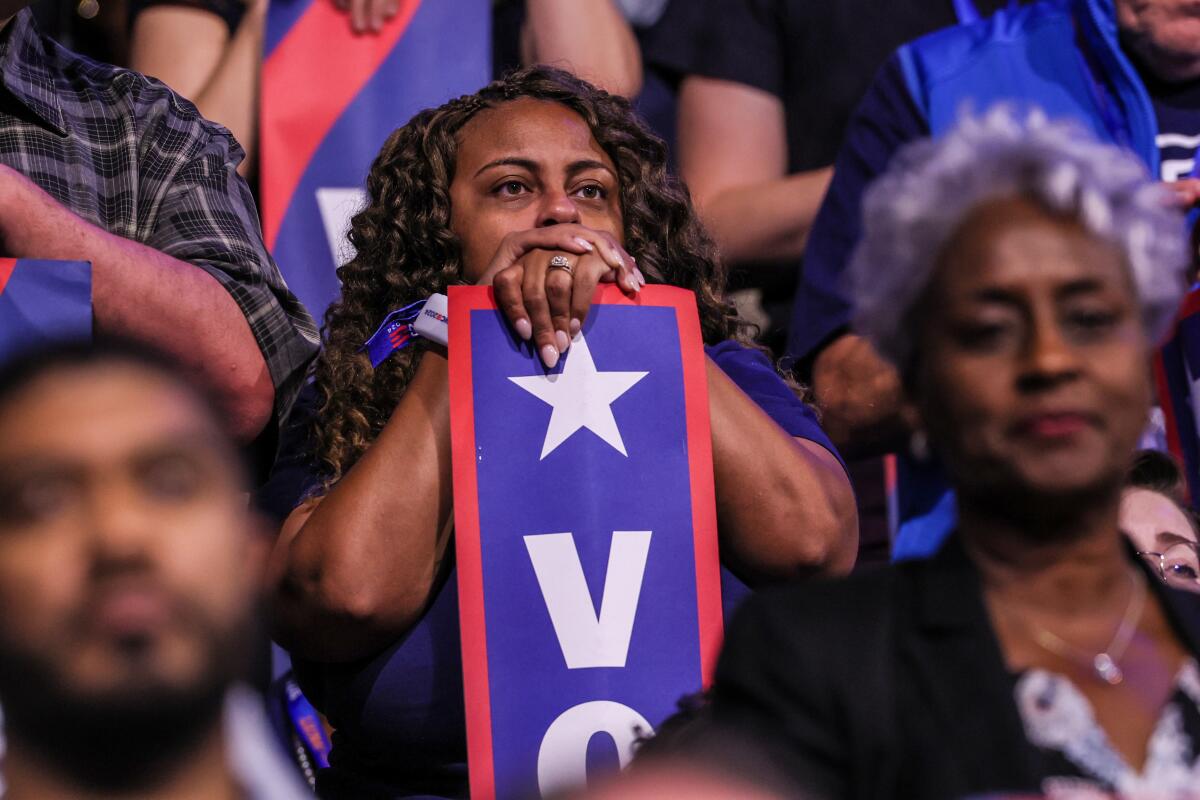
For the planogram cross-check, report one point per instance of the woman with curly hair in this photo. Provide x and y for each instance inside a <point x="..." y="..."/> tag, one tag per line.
<point x="492" y="188"/>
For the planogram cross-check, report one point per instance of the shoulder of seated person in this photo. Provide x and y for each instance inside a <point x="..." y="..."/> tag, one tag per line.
<point x="145" y="98"/>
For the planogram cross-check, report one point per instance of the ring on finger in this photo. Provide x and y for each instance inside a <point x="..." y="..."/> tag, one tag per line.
<point x="560" y="262"/>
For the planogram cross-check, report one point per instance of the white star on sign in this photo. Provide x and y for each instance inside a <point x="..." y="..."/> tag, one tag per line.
<point x="581" y="398"/>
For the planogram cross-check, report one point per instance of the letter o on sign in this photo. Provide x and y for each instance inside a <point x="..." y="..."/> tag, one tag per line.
<point x="562" y="758"/>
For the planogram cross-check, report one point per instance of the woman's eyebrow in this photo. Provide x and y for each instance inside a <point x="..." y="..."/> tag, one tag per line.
<point x="1004" y="295"/>
<point x="1083" y="286"/>
<point x="586" y="164"/>
<point x="510" y="161"/>
<point x="998" y="296"/>
<point x="1170" y="538"/>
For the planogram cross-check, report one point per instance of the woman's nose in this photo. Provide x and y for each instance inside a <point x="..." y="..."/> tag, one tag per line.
<point x="1049" y="356"/>
<point x="557" y="208"/>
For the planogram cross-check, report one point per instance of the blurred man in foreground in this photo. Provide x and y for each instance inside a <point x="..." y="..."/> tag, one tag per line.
<point x="129" y="567"/>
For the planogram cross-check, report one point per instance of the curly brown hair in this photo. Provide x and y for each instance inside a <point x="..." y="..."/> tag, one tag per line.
<point x="405" y="249"/>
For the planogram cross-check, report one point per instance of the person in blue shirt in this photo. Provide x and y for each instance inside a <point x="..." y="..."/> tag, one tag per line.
<point x="496" y="188"/>
<point x="1127" y="70"/>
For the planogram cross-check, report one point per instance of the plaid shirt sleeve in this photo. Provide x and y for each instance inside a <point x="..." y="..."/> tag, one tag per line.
<point x="130" y="156"/>
<point x="206" y="217"/>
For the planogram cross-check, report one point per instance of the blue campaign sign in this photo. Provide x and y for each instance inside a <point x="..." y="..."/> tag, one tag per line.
<point x="586" y="535"/>
<point x="41" y="301"/>
<point x="330" y="98"/>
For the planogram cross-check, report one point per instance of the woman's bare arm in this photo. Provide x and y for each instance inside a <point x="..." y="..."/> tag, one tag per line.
<point x="354" y="570"/>
<point x="733" y="155"/>
<point x="191" y="51"/>
<point x="587" y="37"/>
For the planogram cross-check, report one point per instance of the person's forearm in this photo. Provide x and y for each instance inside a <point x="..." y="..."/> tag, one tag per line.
<point x="860" y="398"/>
<point x="588" y="37"/>
<point x="359" y="571"/>
<point x="230" y="96"/>
<point x="142" y="294"/>
<point x="784" y="506"/>
<point x="733" y="153"/>
<point x="766" y="222"/>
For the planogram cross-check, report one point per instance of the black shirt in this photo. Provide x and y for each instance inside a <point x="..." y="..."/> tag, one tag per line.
<point x="817" y="56"/>
<point x="230" y="11"/>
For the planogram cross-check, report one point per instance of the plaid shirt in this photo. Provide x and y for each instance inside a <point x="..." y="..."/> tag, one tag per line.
<point x="130" y="156"/>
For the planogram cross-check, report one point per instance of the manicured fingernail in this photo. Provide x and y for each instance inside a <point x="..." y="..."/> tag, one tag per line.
<point x="632" y="280"/>
<point x="549" y="356"/>
<point x="563" y="342"/>
<point x="575" y="327"/>
<point x="523" y="328"/>
<point x="585" y="244"/>
<point x="641" y="278"/>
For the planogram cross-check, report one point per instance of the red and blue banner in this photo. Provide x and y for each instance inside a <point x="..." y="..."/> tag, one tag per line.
<point x="41" y="301"/>
<point x="1177" y="370"/>
<point x="329" y="100"/>
<point x="589" y="580"/>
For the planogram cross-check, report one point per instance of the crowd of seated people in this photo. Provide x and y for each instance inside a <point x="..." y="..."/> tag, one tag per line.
<point x="970" y="258"/>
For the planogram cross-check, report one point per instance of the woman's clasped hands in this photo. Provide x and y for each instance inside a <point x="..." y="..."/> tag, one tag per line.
<point x="544" y="280"/>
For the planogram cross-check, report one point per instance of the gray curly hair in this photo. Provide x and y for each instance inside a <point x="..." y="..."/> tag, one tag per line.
<point x="912" y="210"/>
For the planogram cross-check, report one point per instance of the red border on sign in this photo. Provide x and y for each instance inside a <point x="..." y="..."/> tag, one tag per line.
<point x="469" y="551"/>
<point x="1168" y="406"/>
<point x="7" y="265"/>
<point x="476" y="688"/>
<point x="704" y="496"/>
<point x="1190" y="306"/>
<point x="308" y="81"/>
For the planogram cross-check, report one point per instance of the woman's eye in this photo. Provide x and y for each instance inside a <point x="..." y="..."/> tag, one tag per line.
<point x="511" y="188"/>
<point x="592" y="191"/>
<point x="984" y="335"/>
<point x="1183" y="571"/>
<point x="1091" y="322"/>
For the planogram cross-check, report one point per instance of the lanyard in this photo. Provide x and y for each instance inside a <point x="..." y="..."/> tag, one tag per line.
<point x="307" y="724"/>
<point x="395" y="333"/>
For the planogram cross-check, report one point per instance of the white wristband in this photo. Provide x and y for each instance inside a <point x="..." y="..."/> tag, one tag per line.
<point x="432" y="323"/>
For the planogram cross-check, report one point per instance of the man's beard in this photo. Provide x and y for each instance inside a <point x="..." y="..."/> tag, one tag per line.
<point x="125" y="738"/>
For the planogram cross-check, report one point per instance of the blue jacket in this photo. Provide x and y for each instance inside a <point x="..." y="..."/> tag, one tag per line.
<point x="1060" y="55"/>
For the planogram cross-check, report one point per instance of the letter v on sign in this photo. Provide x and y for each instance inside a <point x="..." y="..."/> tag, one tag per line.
<point x="589" y="639"/>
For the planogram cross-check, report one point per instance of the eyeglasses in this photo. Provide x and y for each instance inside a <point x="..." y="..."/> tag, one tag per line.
<point x="1178" y="565"/>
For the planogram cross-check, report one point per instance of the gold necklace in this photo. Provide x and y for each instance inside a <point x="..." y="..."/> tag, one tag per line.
<point x="1103" y="664"/>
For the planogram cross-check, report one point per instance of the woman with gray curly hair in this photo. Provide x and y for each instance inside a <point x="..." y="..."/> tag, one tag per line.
<point x="1032" y="269"/>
